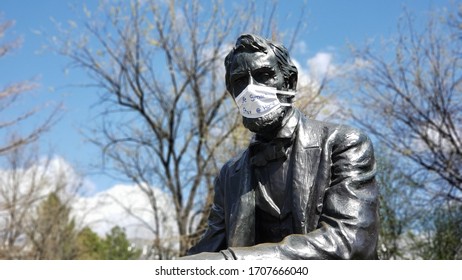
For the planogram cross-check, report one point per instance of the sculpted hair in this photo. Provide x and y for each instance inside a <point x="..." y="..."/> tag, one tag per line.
<point x="254" y="43"/>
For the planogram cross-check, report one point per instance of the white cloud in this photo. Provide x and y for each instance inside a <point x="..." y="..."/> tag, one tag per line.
<point x="318" y="71"/>
<point x="24" y="184"/>
<point x="38" y="179"/>
<point x="314" y="71"/>
<point x="100" y="211"/>
<point x="128" y="207"/>
<point x="321" y="65"/>
<point x="303" y="77"/>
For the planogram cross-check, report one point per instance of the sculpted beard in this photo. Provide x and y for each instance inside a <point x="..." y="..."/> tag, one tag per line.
<point x="267" y="123"/>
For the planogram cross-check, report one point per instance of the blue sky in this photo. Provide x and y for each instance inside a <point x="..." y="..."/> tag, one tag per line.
<point x="331" y="24"/>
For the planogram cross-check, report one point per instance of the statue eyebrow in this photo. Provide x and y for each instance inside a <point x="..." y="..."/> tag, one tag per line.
<point x="264" y="69"/>
<point x="235" y="76"/>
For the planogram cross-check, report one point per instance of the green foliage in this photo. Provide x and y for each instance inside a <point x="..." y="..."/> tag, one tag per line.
<point x="53" y="233"/>
<point x="118" y="247"/>
<point x="115" y="246"/>
<point x="55" y="237"/>
<point x="442" y="239"/>
<point x="397" y="208"/>
<point x="89" y="245"/>
<point x="447" y="240"/>
<point x="411" y="227"/>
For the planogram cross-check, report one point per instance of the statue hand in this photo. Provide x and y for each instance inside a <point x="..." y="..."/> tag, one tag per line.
<point x="204" y="256"/>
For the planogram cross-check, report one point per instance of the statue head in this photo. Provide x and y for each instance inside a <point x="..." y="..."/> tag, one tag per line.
<point x="262" y="62"/>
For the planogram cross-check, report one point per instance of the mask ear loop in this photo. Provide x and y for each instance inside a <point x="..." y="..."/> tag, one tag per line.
<point x="291" y="94"/>
<point x="251" y="82"/>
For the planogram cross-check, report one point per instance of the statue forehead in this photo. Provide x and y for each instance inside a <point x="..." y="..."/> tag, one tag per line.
<point x="249" y="61"/>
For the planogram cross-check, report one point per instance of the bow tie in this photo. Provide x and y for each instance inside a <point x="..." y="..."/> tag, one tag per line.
<point x="263" y="152"/>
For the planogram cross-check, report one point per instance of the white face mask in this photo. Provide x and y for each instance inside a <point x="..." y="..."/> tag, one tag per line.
<point x="257" y="101"/>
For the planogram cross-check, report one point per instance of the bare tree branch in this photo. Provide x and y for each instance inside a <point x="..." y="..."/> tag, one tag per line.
<point x="411" y="100"/>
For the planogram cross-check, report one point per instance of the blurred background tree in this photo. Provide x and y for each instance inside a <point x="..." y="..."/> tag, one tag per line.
<point x="115" y="246"/>
<point x="10" y="96"/>
<point x="23" y="183"/>
<point x="441" y="235"/>
<point x="411" y="101"/>
<point x="118" y="247"/>
<point x="89" y="245"/>
<point x="408" y="97"/>
<point x="52" y="231"/>
<point x="398" y="206"/>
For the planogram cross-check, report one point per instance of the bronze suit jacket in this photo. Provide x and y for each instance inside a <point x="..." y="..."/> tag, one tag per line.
<point x="335" y="200"/>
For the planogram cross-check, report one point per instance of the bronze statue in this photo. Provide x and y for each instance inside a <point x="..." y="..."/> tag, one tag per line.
<point x="303" y="189"/>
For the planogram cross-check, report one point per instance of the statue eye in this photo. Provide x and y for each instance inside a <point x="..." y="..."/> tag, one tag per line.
<point x="262" y="77"/>
<point x="239" y="80"/>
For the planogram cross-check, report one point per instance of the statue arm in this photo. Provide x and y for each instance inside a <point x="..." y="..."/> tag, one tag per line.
<point x="214" y="239"/>
<point x="348" y="224"/>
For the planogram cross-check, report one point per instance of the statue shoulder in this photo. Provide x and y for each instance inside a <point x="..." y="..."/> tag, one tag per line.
<point x="338" y="134"/>
<point x="235" y="163"/>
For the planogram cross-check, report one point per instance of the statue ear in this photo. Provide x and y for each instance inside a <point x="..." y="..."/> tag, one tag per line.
<point x="292" y="82"/>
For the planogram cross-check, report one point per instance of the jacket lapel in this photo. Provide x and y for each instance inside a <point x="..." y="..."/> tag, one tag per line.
<point x="306" y="156"/>
<point x="242" y="211"/>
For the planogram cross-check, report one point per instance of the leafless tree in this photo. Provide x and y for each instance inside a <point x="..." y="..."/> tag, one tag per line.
<point x="455" y="21"/>
<point x="25" y="182"/>
<point x="168" y="121"/>
<point x="403" y="206"/>
<point x="9" y="100"/>
<point x="21" y="179"/>
<point x="411" y="100"/>
<point x="18" y="193"/>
